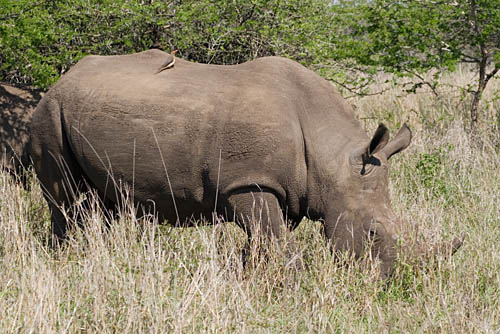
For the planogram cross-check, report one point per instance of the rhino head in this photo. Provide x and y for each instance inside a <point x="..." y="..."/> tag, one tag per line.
<point x="365" y="221"/>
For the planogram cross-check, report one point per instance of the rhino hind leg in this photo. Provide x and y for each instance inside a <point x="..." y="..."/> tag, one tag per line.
<point x="60" y="176"/>
<point x="261" y="217"/>
<point x="63" y="183"/>
<point x="61" y="186"/>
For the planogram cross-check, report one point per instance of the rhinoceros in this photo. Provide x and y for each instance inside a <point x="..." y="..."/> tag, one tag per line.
<point x="266" y="139"/>
<point x="16" y="110"/>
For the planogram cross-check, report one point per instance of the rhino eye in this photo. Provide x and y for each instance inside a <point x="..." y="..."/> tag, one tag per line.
<point x="368" y="165"/>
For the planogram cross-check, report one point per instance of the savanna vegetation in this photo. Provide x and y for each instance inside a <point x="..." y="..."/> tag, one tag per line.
<point x="137" y="275"/>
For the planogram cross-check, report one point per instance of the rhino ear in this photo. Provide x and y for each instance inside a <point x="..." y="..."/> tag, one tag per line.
<point x="379" y="140"/>
<point x="363" y="154"/>
<point x="399" y="142"/>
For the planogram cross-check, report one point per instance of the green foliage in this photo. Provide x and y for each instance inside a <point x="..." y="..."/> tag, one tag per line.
<point x="407" y="36"/>
<point x="226" y="32"/>
<point x="410" y="38"/>
<point x="348" y="42"/>
<point x="41" y="40"/>
<point x="429" y="168"/>
<point x="432" y="174"/>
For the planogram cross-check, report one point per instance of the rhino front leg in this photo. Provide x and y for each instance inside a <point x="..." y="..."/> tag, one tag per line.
<point x="261" y="216"/>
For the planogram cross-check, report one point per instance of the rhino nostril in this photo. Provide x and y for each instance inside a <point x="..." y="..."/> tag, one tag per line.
<point x="372" y="233"/>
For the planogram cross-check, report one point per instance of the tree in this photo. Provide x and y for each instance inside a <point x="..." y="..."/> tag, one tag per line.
<point x="231" y="32"/>
<point x="40" y="40"/>
<point x="413" y="37"/>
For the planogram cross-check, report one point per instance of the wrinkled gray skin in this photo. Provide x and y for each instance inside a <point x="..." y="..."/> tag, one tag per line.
<point x="16" y="110"/>
<point x="267" y="139"/>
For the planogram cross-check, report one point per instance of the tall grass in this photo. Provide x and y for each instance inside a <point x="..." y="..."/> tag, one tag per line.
<point x="135" y="275"/>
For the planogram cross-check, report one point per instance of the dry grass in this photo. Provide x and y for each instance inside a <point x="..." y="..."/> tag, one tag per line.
<point x="138" y="276"/>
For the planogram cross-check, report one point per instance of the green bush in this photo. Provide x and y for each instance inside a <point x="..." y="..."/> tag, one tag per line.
<point x="41" y="40"/>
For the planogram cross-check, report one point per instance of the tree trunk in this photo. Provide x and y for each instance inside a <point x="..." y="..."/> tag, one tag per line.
<point x="474" y="110"/>
<point x="481" y="85"/>
<point x="482" y="74"/>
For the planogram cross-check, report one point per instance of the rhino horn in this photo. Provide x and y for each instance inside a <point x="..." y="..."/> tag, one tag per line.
<point x="442" y="249"/>
<point x="450" y="248"/>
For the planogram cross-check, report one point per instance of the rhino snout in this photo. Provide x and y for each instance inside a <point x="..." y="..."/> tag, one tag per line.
<point x="364" y="236"/>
